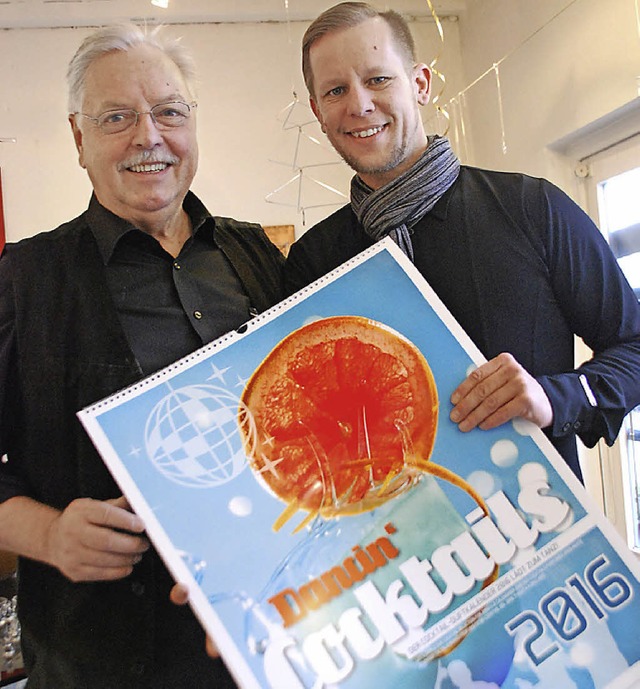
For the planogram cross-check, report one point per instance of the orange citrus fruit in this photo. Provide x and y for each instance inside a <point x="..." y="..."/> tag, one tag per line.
<point x="339" y="417"/>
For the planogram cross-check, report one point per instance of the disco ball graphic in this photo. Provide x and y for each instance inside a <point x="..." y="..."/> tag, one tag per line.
<point x="192" y="437"/>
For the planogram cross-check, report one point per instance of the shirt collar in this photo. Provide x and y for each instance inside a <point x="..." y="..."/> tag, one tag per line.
<point x="108" y="228"/>
<point x="441" y="209"/>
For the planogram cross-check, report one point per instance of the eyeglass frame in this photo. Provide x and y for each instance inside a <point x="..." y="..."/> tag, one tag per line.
<point x="159" y="125"/>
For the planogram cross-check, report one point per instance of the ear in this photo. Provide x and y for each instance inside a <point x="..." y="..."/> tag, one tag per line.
<point x="77" y="137"/>
<point x="316" y="112"/>
<point x="422" y="80"/>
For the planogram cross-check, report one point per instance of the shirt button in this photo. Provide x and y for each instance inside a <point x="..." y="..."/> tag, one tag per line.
<point x="566" y="428"/>
<point x="137" y="588"/>
<point x="577" y="426"/>
<point x="176" y="265"/>
<point x="197" y="315"/>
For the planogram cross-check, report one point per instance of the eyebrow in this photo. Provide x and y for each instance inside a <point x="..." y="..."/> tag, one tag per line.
<point x="120" y="105"/>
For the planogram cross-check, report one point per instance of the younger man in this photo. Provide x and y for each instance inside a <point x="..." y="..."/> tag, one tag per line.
<point x="518" y="264"/>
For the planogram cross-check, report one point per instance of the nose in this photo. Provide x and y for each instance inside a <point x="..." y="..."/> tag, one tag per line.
<point x="360" y="101"/>
<point x="145" y="132"/>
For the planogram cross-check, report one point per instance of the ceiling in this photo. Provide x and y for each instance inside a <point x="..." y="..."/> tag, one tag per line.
<point x="16" y="14"/>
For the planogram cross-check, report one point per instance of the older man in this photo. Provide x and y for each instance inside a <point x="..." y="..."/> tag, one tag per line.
<point x="518" y="264"/>
<point x="144" y="276"/>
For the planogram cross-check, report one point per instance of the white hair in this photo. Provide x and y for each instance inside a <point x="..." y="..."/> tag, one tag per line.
<point x="124" y="37"/>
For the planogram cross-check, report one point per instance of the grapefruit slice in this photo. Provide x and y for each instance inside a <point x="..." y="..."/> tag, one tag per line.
<point x="340" y="417"/>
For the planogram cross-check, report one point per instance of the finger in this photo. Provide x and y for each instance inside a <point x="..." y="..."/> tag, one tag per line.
<point x="121" y="502"/>
<point x="475" y="387"/>
<point x="484" y="394"/>
<point x="179" y="594"/>
<point x="116" y="514"/>
<point x="490" y="409"/>
<point x="475" y="378"/>
<point x="107" y="560"/>
<point x="212" y="649"/>
<point x="86" y="564"/>
<point x="87" y="572"/>
<point x="125" y="544"/>
<point x="504" y="412"/>
<point x="116" y="542"/>
<point x="93" y="535"/>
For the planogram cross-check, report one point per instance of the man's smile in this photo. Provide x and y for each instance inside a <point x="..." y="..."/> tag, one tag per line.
<point x="366" y="133"/>
<point x="149" y="167"/>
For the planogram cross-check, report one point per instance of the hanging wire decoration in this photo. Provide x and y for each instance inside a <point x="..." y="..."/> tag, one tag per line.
<point x="458" y="105"/>
<point x="463" y="105"/>
<point x="298" y="118"/>
<point x="300" y="191"/>
<point x="455" y="109"/>
<point x="440" y="111"/>
<point x="496" y="68"/>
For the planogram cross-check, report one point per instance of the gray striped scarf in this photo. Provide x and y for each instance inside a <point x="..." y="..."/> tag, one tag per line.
<point x="397" y="206"/>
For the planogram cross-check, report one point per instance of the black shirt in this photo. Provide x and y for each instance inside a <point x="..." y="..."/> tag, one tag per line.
<point x="169" y="307"/>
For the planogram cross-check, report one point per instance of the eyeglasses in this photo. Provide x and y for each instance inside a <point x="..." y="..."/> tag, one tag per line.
<point x="164" y="116"/>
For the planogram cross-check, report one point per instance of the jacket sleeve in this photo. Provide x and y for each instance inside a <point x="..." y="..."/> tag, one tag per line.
<point x="10" y="482"/>
<point x="603" y="310"/>
<point x="324" y="247"/>
<point x="256" y="260"/>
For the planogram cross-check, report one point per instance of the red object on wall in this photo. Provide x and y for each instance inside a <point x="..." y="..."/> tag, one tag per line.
<point x="2" y="235"/>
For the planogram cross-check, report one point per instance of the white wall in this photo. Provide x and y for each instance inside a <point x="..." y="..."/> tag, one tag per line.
<point x="568" y="65"/>
<point x="248" y="73"/>
<point x="559" y="76"/>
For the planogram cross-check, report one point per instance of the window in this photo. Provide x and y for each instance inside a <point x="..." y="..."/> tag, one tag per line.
<point x="614" y="201"/>
<point x="619" y="210"/>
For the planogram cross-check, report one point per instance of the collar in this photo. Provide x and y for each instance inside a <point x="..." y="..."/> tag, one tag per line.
<point x="108" y="229"/>
<point x="441" y="209"/>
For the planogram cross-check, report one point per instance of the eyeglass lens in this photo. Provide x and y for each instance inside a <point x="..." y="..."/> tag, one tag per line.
<point x="173" y="114"/>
